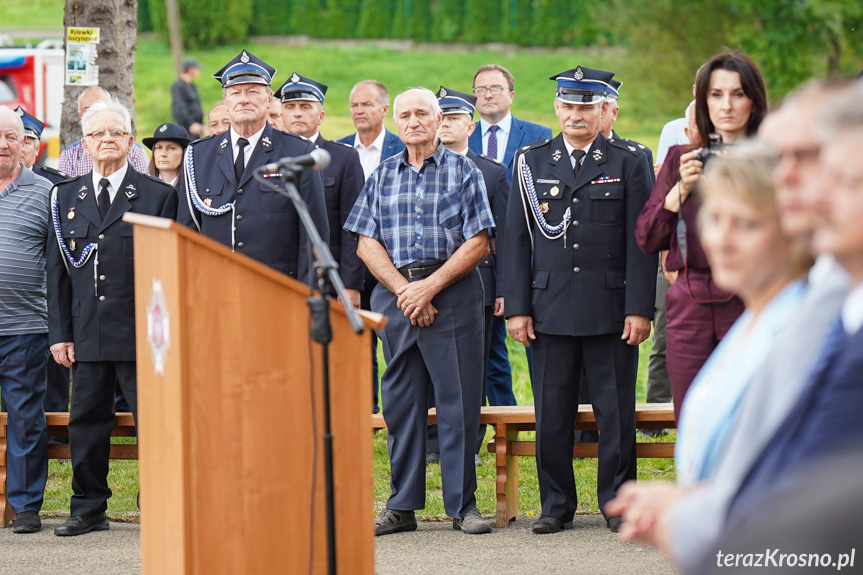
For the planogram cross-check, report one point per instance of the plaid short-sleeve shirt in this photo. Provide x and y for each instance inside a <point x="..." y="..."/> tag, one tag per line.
<point x="422" y="214"/>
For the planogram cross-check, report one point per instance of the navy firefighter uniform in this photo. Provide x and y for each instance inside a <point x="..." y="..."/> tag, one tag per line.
<point x="239" y="212"/>
<point x="91" y="303"/>
<point x="571" y="263"/>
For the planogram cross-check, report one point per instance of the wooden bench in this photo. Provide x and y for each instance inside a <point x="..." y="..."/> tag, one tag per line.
<point x="58" y="426"/>
<point x="507" y="446"/>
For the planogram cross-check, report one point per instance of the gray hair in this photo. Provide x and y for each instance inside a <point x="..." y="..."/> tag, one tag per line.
<point x="92" y="89"/>
<point x="7" y="113"/>
<point x="110" y="106"/>
<point x="383" y="93"/>
<point x="425" y="93"/>
<point x="844" y="113"/>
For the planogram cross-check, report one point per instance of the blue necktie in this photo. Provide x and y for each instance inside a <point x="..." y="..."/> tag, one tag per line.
<point x="492" y="142"/>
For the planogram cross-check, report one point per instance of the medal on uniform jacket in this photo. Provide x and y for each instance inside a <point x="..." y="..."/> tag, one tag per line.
<point x="71" y="214"/>
<point x="554" y="191"/>
<point x="544" y="207"/>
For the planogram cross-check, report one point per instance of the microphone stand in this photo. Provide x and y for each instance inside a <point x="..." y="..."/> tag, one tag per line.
<point x="329" y="284"/>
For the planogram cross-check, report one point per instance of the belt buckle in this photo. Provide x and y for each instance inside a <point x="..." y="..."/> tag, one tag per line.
<point x="414" y="273"/>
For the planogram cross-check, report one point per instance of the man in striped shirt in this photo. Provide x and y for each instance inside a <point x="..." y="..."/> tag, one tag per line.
<point x="75" y="162"/>
<point x="23" y="324"/>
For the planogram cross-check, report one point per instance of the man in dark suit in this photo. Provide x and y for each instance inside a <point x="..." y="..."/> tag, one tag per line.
<point x="302" y="102"/>
<point x="499" y="135"/>
<point x="455" y="129"/>
<point x="578" y="290"/>
<point x="222" y="198"/>
<point x="370" y="102"/>
<point x="92" y="327"/>
<point x="827" y="414"/>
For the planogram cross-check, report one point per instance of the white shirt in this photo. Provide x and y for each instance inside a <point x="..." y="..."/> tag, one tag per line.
<point x="370" y="156"/>
<point x="852" y="310"/>
<point x="570" y="148"/>
<point x="253" y="141"/>
<point x="502" y="134"/>
<point x="114" y="182"/>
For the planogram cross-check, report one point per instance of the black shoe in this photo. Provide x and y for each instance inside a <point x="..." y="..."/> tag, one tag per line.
<point x="80" y="524"/>
<point x="614" y="524"/>
<point x="394" y="521"/>
<point x="432" y="458"/>
<point x="550" y="525"/>
<point x="27" y="522"/>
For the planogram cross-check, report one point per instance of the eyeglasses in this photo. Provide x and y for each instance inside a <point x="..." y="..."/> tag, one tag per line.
<point x="481" y="90"/>
<point x="107" y="135"/>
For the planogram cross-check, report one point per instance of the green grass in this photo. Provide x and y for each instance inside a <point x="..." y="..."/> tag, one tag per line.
<point x="32" y="14"/>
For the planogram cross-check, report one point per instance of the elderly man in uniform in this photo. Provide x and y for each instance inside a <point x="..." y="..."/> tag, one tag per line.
<point x="223" y="200"/>
<point x="578" y="290"/>
<point x="423" y="221"/>
<point x="57" y="393"/>
<point x="92" y="327"/>
<point x="455" y="129"/>
<point x="302" y="101"/>
<point x="23" y="324"/>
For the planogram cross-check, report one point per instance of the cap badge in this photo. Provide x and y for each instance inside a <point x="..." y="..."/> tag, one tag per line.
<point x="443" y="92"/>
<point x="20" y="112"/>
<point x="295" y="78"/>
<point x="578" y="73"/>
<point x="554" y="191"/>
<point x="164" y="128"/>
<point x="244" y="58"/>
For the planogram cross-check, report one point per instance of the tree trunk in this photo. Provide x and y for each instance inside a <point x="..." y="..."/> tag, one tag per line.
<point x="117" y="21"/>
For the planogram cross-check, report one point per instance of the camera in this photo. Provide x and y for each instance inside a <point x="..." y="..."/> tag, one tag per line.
<point x="714" y="147"/>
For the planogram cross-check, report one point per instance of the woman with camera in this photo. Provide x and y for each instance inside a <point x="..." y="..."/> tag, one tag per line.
<point x="730" y="102"/>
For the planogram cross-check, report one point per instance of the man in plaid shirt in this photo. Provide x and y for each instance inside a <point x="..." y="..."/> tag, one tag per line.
<point x="422" y="221"/>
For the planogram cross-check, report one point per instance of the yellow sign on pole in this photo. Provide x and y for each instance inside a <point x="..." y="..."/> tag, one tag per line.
<point x="81" y="67"/>
<point x="89" y="35"/>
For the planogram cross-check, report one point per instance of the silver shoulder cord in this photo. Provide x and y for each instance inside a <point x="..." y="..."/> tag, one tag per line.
<point x="530" y="203"/>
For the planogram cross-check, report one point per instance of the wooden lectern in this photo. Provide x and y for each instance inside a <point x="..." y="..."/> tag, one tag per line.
<point x="230" y="416"/>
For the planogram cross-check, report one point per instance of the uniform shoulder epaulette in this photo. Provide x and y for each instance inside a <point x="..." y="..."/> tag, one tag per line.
<point x="303" y="138"/>
<point x="490" y="159"/>
<point x="53" y="171"/>
<point x="205" y="138"/>
<point x="625" y="144"/>
<point x="536" y="144"/>
<point x="70" y="180"/>
<point x="154" y="178"/>
<point x="341" y="144"/>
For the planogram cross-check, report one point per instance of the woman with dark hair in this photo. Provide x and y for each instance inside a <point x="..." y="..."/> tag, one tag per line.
<point x="168" y="143"/>
<point x="731" y="101"/>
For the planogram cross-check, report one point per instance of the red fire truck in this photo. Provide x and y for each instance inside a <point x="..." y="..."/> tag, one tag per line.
<point x="33" y="79"/>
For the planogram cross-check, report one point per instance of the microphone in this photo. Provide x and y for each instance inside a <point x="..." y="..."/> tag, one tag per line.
<point x="317" y="159"/>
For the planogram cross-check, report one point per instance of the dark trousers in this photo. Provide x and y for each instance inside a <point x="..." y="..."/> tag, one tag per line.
<point x="23" y="360"/>
<point x="57" y="394"/>
<point x="445" y="357"/>
<point x="610" y="366"/>
<point x="366" y="303"/>
<point x="658" y="386"/>
<point x="90" y="423"/>
<point x="693" y="332"/>
<point x="498" y="379"/>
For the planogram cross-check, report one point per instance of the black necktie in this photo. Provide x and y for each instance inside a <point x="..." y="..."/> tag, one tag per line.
<point x="240" y="163"/>
<point x="577" y="155"/>
<point x="104" y="198"/>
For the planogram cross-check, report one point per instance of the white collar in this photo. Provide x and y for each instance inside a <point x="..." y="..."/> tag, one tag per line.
<point x="253" y="139"/>
<point x="115" y="180"/>
<point x="570" y="148"/>
<point x="378" y="144"/>
<point x="505" y="124"/>
<point x="852" y="310"/>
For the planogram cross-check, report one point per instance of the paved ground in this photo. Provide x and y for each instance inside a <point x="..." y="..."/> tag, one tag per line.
<point x="433" y="549"/>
